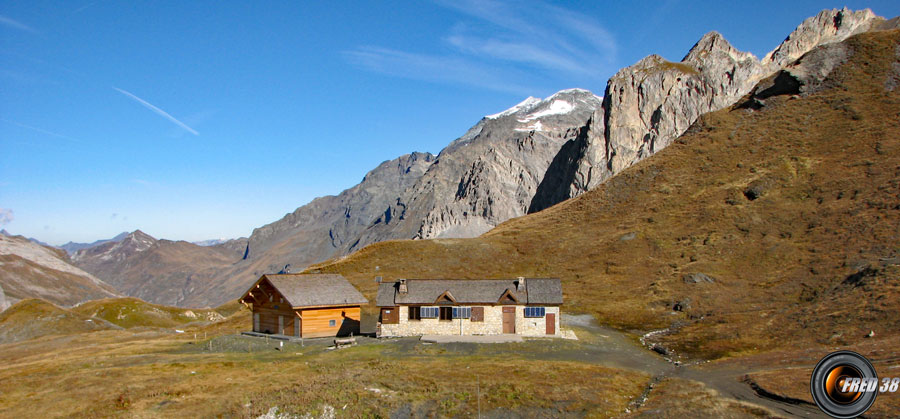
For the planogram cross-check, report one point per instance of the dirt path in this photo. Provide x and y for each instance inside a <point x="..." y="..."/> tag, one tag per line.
<point x="617" y="349"/>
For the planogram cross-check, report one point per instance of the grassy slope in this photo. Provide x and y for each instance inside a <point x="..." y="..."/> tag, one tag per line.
<point x="32" y="318"/>
<point x="830" y="167"/>
<point x="132" y="312"/>
<point x="152" y="374"/>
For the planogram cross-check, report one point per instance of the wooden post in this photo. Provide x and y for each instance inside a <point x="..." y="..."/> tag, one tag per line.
<point x="478" y="394"/>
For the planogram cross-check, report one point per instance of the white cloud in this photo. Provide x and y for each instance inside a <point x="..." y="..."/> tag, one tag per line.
<point x="432" y="68"/>
<point x="158" y="111"/>
<point x="502" y="46"/>
<point x="6" y="216"/>
<point x="40" y="130"/>
<point x="10" y="23"/>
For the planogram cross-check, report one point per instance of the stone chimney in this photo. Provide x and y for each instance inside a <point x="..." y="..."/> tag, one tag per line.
<point x="402" y="287"/>
<point x="520" y="284"/>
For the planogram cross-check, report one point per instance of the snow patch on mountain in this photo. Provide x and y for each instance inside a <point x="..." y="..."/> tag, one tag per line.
<point x="557" y="107"/>
<point x="536" y="127"/>
<point x="523" y="105"/>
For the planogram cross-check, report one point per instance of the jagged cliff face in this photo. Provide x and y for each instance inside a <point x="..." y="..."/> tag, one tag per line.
<point x="490" y="174"/>
<point x="332" y="225"/>
<point x="826" y="27"/>
<point x="652" y="102"/>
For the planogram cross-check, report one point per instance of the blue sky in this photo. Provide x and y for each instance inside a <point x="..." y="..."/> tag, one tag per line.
<point x="204" y="119"/>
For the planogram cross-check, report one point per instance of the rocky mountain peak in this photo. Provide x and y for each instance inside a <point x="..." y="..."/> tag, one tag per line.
<point x="713" y="45"/>
<point x="827" y="26"/>
<point x="560" y="102"/>
<point x="139" y="240"/>
<point x="521" y="106"/>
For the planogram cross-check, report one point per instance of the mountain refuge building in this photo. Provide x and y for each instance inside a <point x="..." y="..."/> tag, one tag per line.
<point x="415" y="307"/>
<point x="304" y="305"/>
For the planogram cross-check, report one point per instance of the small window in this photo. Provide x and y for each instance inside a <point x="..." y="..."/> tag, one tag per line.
<point x="429" y="312"/>
<point x="415" y="313"/>
<point x="446" y="313"/>
<point x="332" y="323"/>
<point x="462" y="312"/>
<point x="534" y="311"/>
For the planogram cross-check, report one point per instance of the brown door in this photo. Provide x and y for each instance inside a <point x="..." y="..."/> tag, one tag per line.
<point x="509" y="320"/>
<point x="551" y="323"/>
<point x="390" y="315"/>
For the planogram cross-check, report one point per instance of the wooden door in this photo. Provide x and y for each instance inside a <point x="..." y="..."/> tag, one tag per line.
<point x="509" y="320"/>
<point x="289" y="322"/>
<point x="280" y="325"/>
<point x="390" y="315"/>
<point x="256" y="322"/>
<point x="551" y="323"/>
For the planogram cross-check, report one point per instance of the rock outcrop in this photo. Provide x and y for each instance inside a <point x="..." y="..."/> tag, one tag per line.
<point x="3" y="303"/>
<point x="652" y="102"/>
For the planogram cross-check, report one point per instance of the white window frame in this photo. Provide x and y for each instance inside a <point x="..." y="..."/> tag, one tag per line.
<point x="462" y="312"/>
<point x="429" y="312"/>
<point x="535" y="312"/>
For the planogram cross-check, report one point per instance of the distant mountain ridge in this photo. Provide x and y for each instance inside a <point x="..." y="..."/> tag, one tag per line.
<point x="72" y="247"/>
<point x="30" y="270"/>
<point x="158" y="271"/>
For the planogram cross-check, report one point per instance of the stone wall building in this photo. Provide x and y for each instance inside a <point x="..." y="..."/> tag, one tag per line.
<point x="414" y="307"/>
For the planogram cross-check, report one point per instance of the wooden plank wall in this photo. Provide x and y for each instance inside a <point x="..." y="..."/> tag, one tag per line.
<point x="316" y="321"/>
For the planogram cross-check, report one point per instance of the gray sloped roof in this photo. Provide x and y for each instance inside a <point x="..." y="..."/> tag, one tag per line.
<point x="470" y="291"/>
<point x="385" y="295"/>
<point x="302" y="290"/>
<point x="544" y="290"/>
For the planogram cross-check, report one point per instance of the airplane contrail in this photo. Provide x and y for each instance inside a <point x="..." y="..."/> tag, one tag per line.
<point x="158" y="111"/>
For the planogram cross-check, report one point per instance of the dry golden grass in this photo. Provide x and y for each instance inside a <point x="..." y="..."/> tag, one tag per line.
<point x="33" y="318"/>
<point x="132" y="312"/>
<point x="829" y="165"/>
<point x="782" y="374"/>
<point x="152" y="374"/>
<point x="680" y="398"/>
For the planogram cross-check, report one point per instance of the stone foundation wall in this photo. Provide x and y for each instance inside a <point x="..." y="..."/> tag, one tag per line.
<point x="492" y="324"/>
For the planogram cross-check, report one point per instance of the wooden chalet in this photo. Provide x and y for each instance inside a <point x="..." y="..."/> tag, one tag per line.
<point x="304" y="305"/>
